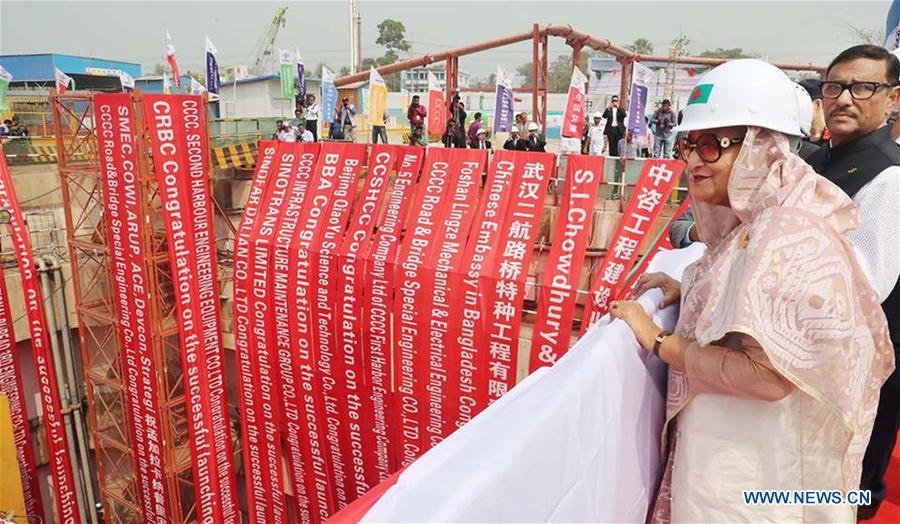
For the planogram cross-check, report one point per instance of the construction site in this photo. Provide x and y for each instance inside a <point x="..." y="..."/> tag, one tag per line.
<point x="202" y="322"/>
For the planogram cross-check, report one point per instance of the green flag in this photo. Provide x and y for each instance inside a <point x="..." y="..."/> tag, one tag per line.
<point x="700" y="94"/>
<point x="287" y="73"/>
<point x="5" y="79"/>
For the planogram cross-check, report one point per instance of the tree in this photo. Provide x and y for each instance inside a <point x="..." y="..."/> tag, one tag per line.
<point x="867" y="36"/>
<point x="487" y="82"/>
<point x="391" y="35"/>
<point x="728" y="54"/>
<point x="159" y="69"/>
<point x="641" y="46"/>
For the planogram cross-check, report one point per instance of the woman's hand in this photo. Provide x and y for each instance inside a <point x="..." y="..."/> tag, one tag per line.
<point x="645" y="330"/>
<point x="671" y="288"/>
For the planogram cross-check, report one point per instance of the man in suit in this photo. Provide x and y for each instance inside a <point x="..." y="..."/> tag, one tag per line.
<point x="535" y="140"/>
<point x="515" y="142"/>
<point x="480" y="142"/>
<point x="615" y="125"/>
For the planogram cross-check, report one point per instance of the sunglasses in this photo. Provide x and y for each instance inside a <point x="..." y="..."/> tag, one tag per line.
<point x="708" y="146"/>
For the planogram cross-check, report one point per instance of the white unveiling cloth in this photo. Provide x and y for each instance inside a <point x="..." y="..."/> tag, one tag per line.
<point x="578" y="442"/>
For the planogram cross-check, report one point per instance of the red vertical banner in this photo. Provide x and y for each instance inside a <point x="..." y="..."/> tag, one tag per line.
<point x="559" y="286"/>
<point x="466" y="394"/>
<point x="251" y="418"/>
<point x="298" y="458"/>
<point x="440" y="360"/>
<point x="413" y="300"/>
<point x="11" y="386"/>
<point x="324" y="286"/>
<point x="380" y="459"/>
<point x="300" y="310"/>
<point x="576" y="108"/>
<point x="653" y="188"/>
<point x="177" y="129"/>
<point x="115" y="124"/>
<point x="504" y="281"/>
<point x="351" y="403"/>
<point x="57" y="443"/>
<point x="437" y="111"/>
<point x="263" y="336"/>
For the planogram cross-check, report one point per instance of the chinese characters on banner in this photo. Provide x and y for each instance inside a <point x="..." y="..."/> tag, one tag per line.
<point x="503" y="282"/>
<point x="576" y="108"/>
<point x="644" y="206"/>
<point x="378" y="299"/>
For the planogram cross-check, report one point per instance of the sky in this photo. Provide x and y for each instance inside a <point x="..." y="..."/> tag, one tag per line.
<point x="786" y="31"/>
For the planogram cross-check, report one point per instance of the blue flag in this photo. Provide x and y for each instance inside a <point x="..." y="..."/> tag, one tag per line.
<point x="329" y="96"/>
<point x="301" y="77"/>
<point x="212" y="68"/>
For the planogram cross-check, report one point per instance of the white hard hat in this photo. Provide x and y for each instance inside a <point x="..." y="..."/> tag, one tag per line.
<point x="743" y="92"/>
<point x="514" y="129"/>
<point x="597" y="114"/>
<point x="532" y="126"/>
<point x="481" y="131"/>
<point x="805" y="109"/>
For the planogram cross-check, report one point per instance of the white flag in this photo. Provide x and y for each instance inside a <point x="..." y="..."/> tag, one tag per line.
<point x="5" y="75"/>
<point x="62" y="81"/>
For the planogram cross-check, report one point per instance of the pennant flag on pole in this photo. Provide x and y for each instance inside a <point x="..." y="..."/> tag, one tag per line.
<point x="212" y="68"/>
<point x="5" y="79"/>
<point x="503" y="112"/>
<point x="301" y="76"/>
<point x="437" y="114"/>
<point x="329" y="96"/>
<point x="573" y="120"/>
<point x="127" y="82"/>
<point x="196" y="87"/>
<point x="377" y="98"/>
<point x="641" y="77"/>
<point x="170" y="57"/>
<point x="287" y="73"/>
<point x="167" y="84"/>
<point x="62" y="81"/>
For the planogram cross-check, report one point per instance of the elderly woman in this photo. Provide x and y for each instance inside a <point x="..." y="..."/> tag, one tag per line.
<point x="780" y="348"/>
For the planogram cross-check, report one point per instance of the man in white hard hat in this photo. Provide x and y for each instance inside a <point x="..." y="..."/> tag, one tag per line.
<point x="596" y="139"/>
<point x="535" y="140"/>
<point x="480" y="142"/>
<point x="515" y="142"/>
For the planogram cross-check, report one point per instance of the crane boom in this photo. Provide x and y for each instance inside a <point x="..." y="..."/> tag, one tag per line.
<point x="265" y="49"/>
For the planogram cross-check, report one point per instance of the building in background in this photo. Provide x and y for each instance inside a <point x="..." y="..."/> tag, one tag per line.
<point x="37" y="71"/>
<point x="260" y="97"/>
<point x="416" y="80"/>
<point x="154" y="84"/>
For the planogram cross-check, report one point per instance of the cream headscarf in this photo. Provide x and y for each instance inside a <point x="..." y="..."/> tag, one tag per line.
<point x="780" y="269"/>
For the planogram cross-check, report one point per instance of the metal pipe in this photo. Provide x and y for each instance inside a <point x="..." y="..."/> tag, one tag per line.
<point x="58" y="284"/>
<point x="696" y="60"/>
<point x="62" y="383"/>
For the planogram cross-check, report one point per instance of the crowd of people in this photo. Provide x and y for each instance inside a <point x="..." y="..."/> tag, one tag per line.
<point x="782" y="370"/>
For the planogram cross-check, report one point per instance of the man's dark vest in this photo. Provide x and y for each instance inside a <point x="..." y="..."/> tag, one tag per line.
<point x="853" y="165"/>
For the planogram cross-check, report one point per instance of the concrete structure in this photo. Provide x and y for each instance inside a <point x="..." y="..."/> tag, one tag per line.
<point x="416" y="80"/>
